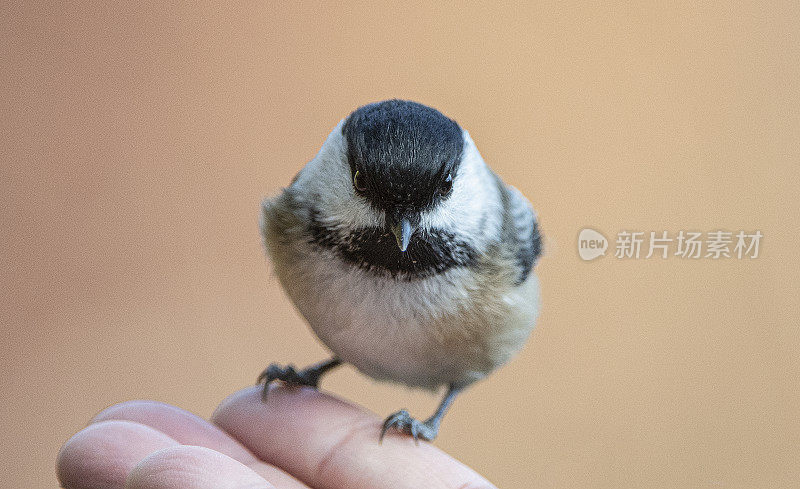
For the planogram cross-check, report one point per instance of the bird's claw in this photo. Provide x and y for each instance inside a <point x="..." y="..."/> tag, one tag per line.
<point x="403" y="422"/>
<point x="289" y="375"/>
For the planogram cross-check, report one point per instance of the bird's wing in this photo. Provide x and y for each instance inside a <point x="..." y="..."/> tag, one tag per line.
<point x="521" y="231"/>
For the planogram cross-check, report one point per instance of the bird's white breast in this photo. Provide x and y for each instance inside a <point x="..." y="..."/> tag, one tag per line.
<point x="443" y="329"/>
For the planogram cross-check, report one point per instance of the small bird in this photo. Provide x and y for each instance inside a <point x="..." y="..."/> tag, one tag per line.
<point x="408" y="256"/>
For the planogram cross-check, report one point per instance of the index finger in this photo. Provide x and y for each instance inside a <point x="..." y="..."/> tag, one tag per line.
<point x="328" y="443"/>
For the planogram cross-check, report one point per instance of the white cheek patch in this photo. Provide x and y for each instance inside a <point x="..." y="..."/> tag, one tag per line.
<point x="474" y="208"/>
<point x="326" y="183"/>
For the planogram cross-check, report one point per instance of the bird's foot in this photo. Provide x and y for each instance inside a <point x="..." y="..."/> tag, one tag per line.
<point x="403" y="422"/>
<point x="290" y="375"/>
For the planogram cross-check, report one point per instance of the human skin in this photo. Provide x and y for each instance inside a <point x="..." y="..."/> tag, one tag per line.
<point x="299" y="439"/>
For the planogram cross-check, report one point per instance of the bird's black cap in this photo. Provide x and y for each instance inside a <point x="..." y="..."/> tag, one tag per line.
<point x="403" y="152"/>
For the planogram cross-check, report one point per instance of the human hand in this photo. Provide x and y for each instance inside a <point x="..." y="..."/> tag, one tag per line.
<point x="299" y="439"/>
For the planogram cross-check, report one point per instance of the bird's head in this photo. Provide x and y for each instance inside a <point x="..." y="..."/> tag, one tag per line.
<point x="403" y="158"/>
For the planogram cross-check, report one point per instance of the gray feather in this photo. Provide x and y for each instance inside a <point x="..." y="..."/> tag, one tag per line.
<point x="521" y="235"/>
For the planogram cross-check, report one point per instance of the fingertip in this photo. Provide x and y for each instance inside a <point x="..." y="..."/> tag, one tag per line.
<point x="123" y="409"/>
<point x="254" y="423"/>
<point x="193" y="467"/>
<point x="102" y="454"/>
<point x="250" y="401"/>
<point x="185" y="427"/>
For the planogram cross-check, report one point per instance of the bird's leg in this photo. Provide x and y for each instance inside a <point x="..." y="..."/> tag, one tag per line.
<point x="426" y="430"/>
<point x="309" y="376"/>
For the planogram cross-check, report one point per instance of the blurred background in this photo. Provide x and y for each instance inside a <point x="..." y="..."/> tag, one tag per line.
<point x="138" y="138"/>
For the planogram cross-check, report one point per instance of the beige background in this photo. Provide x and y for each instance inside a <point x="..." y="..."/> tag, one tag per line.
<point x="138" y="140"/>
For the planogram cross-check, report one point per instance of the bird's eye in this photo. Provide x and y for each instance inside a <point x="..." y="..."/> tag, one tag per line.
<point x="358" y="182"/>
<point x="447" y="185"/>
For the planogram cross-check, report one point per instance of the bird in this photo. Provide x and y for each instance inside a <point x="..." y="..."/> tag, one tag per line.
<point x="409" y="258"/>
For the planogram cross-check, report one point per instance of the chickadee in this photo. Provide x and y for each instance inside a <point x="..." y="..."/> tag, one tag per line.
<point x="410" y="259"/>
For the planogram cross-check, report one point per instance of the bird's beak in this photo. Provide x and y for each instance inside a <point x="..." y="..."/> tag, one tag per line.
<point x="402" y="231"/>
